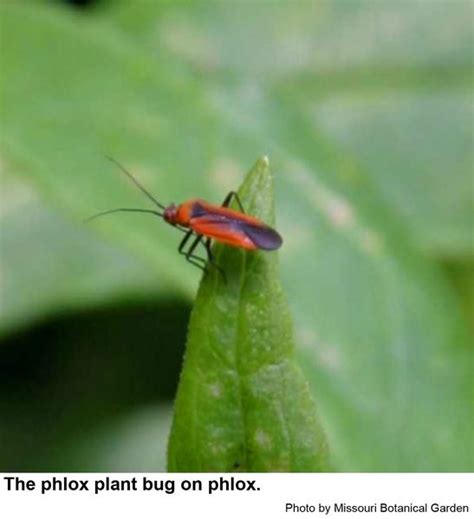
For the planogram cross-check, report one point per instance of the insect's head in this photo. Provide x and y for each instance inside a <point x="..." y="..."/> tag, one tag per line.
<point x="170" y="213"/>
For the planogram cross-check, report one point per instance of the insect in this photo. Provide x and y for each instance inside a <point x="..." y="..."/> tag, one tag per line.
<point x="203" y="222"/>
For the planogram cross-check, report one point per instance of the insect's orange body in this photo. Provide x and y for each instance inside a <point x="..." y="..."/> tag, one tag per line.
<point x="204" y="222"/>
<point x="223" y="224"/>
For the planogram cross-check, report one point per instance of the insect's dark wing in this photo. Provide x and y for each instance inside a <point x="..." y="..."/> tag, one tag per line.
<point x="221" y="229"/>
<point x="233" y="228"/>
<point x="263" y="237"/>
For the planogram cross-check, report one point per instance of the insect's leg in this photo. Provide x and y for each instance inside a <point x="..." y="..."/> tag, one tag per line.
<point x="212" y="259"/>
<point x="197" y="260"/>
<point x="181" y="228"/>
<point x="189" y="253"/>
<point x="192" y="247"/>
<point x="228" y="199"/>
<point x="210" y="256"/>
<point x="193" y="258"/>
<point x="185" y="253"/>
<point x="184" y="241"/>
<point x="196" y="264"/>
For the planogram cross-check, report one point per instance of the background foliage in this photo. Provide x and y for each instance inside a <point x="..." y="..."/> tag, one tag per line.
<point x="365" y="110"/>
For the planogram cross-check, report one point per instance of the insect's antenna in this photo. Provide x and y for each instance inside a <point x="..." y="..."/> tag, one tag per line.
<point x="124" y="209"/>
<point x="135" y="181"/>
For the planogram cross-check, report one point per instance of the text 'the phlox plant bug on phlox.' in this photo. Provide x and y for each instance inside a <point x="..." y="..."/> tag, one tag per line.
<point x="203" y="222"/>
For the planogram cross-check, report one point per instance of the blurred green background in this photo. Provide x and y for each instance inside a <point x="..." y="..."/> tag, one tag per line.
<point x="365" y="110"/>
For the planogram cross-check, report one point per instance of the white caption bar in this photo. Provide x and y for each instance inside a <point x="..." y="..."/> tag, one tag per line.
<point x="238" y="495"/>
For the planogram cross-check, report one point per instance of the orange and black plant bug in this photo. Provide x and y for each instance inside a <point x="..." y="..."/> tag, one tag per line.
<point x="204" y="222"/>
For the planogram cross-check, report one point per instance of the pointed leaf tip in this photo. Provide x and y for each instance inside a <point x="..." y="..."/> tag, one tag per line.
<point x="243" y="403"/>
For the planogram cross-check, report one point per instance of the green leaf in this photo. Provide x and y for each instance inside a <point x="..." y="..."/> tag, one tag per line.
<point x="243" y="403"/>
